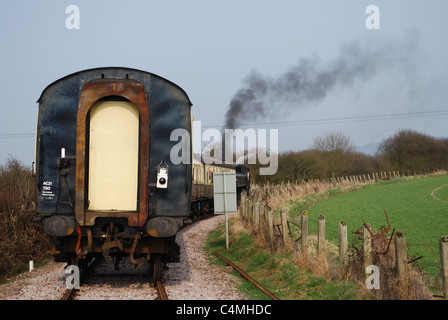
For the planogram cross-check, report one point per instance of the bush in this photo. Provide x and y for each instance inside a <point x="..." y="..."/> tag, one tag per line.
<point x="16" y="184"/>
<point x="20" y="239"/>
<point x="411" y="150"/>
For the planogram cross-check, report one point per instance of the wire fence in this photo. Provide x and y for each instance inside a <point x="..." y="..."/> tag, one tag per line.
<point x="381" y="262"/>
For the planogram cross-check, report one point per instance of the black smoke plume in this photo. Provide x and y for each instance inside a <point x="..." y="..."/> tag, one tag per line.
<point x="311" y="80"/>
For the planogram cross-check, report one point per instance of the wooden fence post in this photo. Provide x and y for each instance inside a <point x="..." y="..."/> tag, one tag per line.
<point x="343" y="244"/>
<point x="401" y="258"/>
<point x="321" y="235"/>
<point x="246" y="210"/>
<point x="304" y="232"/>
<point x="284" y="221"/>
<point x="270" y="227"/>
<point x="366" y="248"/>
<point x="263" y="213"/>
<point x="256" y="215"/>
<point x="250" y="216"/>
<point x="242" y="204"/>
<point x="443" y="245"/>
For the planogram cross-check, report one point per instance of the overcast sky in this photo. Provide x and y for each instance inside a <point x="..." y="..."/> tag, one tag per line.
<point x="212" y="48"/>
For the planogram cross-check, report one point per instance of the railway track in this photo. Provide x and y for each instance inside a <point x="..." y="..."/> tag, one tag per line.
<point x="247" y="277"/>
<point x="109" y="284"/>
<point x="190" y="279"/>
<point x="70" y="294"/>
<point x="161" y="293"/>
<point x="130" y="283"/>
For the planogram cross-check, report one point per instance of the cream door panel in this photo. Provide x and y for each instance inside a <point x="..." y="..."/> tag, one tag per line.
<point x="113" y="156"/>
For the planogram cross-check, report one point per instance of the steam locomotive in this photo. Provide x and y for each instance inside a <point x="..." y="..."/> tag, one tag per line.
<point x="105" y="183"/>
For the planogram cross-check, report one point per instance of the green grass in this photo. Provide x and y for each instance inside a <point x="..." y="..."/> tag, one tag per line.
<point x="409" y="205"/>
<point x="276" y="272"/>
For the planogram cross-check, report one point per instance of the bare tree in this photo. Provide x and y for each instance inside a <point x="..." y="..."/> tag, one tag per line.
<point x="334" y="141"/>
<point x="334" y="146"/>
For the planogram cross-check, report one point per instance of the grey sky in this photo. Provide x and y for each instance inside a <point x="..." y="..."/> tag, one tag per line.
<point x="210" y="47"/>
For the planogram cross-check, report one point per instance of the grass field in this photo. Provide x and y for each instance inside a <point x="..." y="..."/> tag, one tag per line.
<point x="418" y="207"/>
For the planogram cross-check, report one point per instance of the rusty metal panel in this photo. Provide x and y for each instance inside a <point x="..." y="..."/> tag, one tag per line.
<point x="63" y="108"/>
<point x="92" y="92"/>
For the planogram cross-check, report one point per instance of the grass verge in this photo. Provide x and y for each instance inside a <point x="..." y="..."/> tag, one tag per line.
<point x="281" y="273"/>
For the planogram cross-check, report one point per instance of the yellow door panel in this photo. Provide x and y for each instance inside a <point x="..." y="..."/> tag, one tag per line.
<point x="113" y="156"/>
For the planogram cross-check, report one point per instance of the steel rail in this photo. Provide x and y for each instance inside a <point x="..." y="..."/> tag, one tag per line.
<point x="247" y="277"/>
<point x="161" y="293"/>
<point x="68" y="294"/>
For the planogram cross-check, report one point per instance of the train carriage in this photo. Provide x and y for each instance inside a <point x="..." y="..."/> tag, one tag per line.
<point x="104" y="179"/>
<point x="202" y="188"/>
<point x="106" y="186"/>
